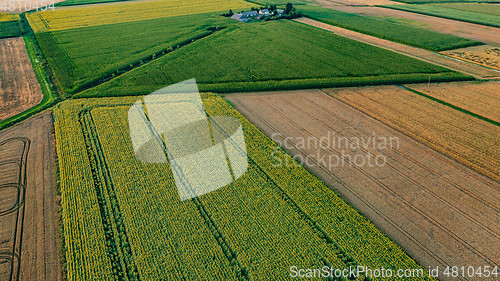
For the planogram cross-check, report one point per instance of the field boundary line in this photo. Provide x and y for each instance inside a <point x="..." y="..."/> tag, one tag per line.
<point x="451" y="105"/>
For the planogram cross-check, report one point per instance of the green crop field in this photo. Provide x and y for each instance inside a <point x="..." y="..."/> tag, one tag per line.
<point x="388" y="29"/>
<point x="480" y="13"/>
<point x="85" y="55"/>
<point x="271" y="55"/>
<point x="10" y="29"/>
<point x="122" y="216"/>
<point x="481" y="8"/>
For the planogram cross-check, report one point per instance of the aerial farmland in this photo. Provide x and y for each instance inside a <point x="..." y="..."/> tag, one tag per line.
<point x="249" y="140"/>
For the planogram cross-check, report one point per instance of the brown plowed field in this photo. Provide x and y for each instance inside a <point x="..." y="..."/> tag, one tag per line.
<point x="425" y="55"/>
<point x="19" y="88"/>
<point x="440" y="211"/>
<point x="482" y="98"/>
<point x="40" y="252"/>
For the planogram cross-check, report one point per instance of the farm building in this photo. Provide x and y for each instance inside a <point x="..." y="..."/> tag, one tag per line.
<point x="245" y="16"/>
<point x="264" y="12"/>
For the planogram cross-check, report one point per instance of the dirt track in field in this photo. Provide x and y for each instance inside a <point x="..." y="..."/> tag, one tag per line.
<point x="40" y="252"/>
<point x="19" y="88"/>
<point x="482" y="33"/>
<point x="435" y="58"/>
<point x="439" y="211"/>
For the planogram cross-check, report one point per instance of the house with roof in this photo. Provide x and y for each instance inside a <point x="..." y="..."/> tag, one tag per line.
<point x="245" y="16"/>
<point x="265" y="12"/>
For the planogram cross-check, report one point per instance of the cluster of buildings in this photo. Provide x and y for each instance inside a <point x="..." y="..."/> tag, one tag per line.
<point x="257" y="15"/>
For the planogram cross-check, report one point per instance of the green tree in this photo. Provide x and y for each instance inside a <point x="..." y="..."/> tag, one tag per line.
<point x="288" y="8"/>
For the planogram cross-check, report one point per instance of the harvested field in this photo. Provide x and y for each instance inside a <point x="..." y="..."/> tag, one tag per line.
<point x="481" y="98"/>
<point x="462" y="137"/>
<point x="439" y="211"/>
<point x="464" y="67"/>
<point x="19" y="88"/>
<point x="486" y="55"/>
<point x="40" y="253"/>
<point x="482" y="33"/>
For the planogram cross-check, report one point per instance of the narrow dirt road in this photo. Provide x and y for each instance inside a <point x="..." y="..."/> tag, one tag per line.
<point x="425" y="55"/>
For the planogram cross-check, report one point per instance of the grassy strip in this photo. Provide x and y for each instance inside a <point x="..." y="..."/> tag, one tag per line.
<point x="385" y="29"/>
<point x="447" y="13"/>
<point x="452" y="106"/>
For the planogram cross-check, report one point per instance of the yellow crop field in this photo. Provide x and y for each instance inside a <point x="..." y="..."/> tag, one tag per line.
<point x="480" y="98"/>
<point x="465" y="138"/>
<point x="126" y="12"/>
<point x="8" y="17"/>
<point x="122" y="216"/>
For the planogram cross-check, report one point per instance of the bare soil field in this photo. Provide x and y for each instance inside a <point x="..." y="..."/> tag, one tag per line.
<point x="425" y="55"/>
<point x="19" y="88"/>
<point x="481" y="98"/>
<point x="438" y="210"/>
<point x="40" y="252"/>
<point x="486" y="55"/>
<point x="482" y="33"/>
